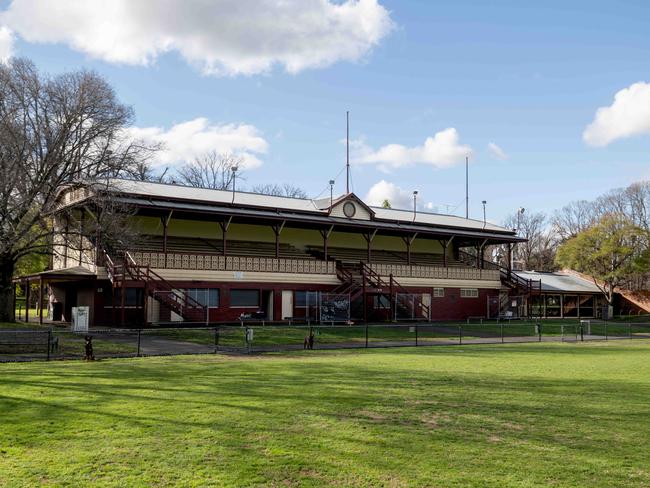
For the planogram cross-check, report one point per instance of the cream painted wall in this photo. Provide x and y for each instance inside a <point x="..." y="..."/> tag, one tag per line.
<point x="360" y="214"/>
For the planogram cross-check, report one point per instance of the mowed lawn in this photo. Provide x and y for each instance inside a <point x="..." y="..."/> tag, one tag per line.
<point x="502" y="415"/>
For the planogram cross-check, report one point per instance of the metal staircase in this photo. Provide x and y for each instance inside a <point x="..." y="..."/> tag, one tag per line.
<point x="127" y="271"/>
<point x="360" y="281"/>
<point x="508" y="277"/>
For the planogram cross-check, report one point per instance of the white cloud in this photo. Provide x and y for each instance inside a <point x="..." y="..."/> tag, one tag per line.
<point x="6" y="44"/>
<point x="187" y="140"/>
<point x="430" y="207"/>
<point x="497" y="152"/>
<point x="222" y="37"/>
<point x="628" y="116"/>
<point x="384" y="190"/>
<point x="440" y="151"/>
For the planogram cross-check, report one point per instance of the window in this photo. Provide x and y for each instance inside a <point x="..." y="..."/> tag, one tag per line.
<point x="438" y="292"/>
<point x="381" y="302"/>
<point x="244" y="298"/>
<point x="349" y="209"/>
<point x="134" y="297"/>
<point x="305" y="299"/>
<point x="469" y="293"/>
<point x="586" y="304"/>
<point x="305" y="304"/>
<point x="205" y="296"/>
<point x="553" y="305"/>
<point x="537" y="306"/>
<point x="570" y="306"/>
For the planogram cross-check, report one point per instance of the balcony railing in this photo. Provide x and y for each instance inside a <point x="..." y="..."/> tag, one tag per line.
<point x="215" y="262"/>
<point x="436" y="272"/>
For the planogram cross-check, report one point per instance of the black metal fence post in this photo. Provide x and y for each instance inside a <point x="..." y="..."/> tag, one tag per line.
<point x="502" y="338"/>
<point x="366" y="334"/>
<point x="606" y="334"/>
<point x="137" y="354"/>
<point x="216" y="340"/>
<point x="460" y="334"/>
<point x="629" y="331"/>
<point x="49" y="343"/>
<point x="539" y="331"/>
<point x="582" y="334"/>
<point x="416" y="335"/>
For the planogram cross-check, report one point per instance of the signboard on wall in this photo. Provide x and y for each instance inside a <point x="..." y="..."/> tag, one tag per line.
<point x="334" y="307"/>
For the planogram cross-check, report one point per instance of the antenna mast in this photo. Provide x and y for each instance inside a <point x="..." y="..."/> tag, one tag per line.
<point x="347" y="152"/>
<point x="467" y="187"/>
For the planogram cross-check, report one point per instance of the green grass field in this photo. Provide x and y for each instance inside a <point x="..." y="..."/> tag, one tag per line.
<point x="502" y="415"/>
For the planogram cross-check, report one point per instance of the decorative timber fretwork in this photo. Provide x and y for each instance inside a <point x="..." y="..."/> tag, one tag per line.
<point x="436" y="272"/>
<point x="215" y="262"/>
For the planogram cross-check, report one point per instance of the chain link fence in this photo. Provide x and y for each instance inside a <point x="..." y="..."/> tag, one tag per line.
<point x="51" y="344"/>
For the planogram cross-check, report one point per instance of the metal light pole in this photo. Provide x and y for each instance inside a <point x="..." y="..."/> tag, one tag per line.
<point x="415" y="203"/>
<point x="484" y="218"/>
<point x="520" y="212"/>
<point x="234" y="179"/>
<point x="331" y="193"/>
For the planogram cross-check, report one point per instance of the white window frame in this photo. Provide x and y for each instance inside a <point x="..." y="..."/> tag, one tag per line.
<point x="469" y="292"/>
<point x="438" y="292"/>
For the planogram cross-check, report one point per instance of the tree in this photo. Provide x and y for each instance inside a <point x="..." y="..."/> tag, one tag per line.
<point x="610" y="252"/>
<point x="574" y="218"/>
<point x="386" y="204"/>
<point x="143" y="171"/>
<point x="212" y="170"/>
<point x="54" y="131"/>
<point x="285" y="190"/>
<point x="538" y="252"/>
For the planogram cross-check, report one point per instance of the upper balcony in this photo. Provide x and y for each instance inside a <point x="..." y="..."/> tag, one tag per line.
<point x="248" y="256"/>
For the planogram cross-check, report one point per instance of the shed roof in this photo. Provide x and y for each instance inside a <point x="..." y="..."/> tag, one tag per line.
<point x="560" y="282"/>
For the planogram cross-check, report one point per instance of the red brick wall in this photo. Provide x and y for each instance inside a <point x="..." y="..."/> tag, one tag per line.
<point x="453" y="307"/>
<point x="449" y="307"/>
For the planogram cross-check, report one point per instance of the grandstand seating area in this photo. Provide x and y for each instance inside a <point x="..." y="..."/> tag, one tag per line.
<point x="189" y="245"/>
<point x="347" y="255"/>
<point x="214" y="246"/>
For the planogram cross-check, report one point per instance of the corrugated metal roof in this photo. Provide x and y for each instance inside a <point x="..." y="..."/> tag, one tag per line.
<point x="560" y="282"/>
<point x="435" y="219"/>
<point x="317" y="207"/>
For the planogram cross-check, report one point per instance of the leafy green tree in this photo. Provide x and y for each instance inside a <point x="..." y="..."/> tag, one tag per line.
<point x="386" y="204"/>
<point x="54" y="131"/>
<point x="610" y="252"/>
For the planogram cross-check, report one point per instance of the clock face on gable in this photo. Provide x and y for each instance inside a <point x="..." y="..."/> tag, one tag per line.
<point x="349" y="209"/>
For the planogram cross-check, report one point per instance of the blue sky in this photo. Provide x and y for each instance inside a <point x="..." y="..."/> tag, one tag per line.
<point x="526" y="78"/>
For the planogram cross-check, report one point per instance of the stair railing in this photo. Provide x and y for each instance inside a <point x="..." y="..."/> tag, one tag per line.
<point x="182" y="299"/>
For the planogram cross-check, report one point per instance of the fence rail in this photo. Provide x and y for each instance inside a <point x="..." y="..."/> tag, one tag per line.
<point x="43" y="344"/>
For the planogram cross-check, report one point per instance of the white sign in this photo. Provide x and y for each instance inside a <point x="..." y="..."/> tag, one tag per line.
<point x="80" y="317"/>
<point x="239" y="275"/>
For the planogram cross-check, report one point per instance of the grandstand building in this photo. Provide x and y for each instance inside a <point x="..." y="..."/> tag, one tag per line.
<point x="221" y="256"/>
